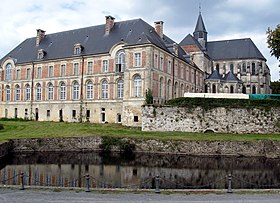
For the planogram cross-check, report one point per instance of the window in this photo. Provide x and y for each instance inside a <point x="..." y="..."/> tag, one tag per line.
<point x="231" y="89"/>
<point x="156" y="61"/>
<point x="39" y="72"/>
<point x="78" y="49"/>
<point x="218" y="68"/>
<point x="161" y="63"/>
<point x="73" y="113"/>
<point x="105" y="66"/>
<point x="160" y="87"/>
<point x="136" y="119"/>
<point x="104" y="89"/>
<point x="8" y="72"/>
<point x="243" y="68"/>
<point x="50" y="91"/>
<point x="89" y="68"/>
<point x="62" y="91"/>
<point x="119" y="118"/>
<point x="16" y="112"/>
<point x="120" y="89"/>
<point x="253" y="69"/>
<point x="41" y="54"/>
<point x="182" y="72"/>
<point x="38" y="92"/>
<point x="50" y="71"/>
<point x="176" y="70"/>
<point x="18" y="74"/>
<point x="28" y="74"/>
<point x="89" y="90"/>
<point x="137" y="59"/>
<point x="169" y="89"/>
<point x="254" y="90"/>
<point x="27" y="92"/>
<point x="137" y="86"/>
<point x="169" y="67"/>
<point x="76" y="69"/>
<point x="62" y="70"/>
<point x="213" y="88"/>
<point x="231" y="68"/>
<point x="75" y="90"/>
<point x="17" y="93"/>
<point x="8" y="93"/>
<point x="87" y="113"/>
<point x="120" y="61"/>
<point x="48" y="113"/>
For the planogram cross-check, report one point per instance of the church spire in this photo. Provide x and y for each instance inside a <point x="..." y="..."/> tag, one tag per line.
<point x="200" y="33"/>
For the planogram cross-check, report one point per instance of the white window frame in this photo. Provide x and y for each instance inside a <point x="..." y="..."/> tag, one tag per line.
<point x="62" y="91"/>
<point x="8" y="93"/>
<point x="39" y="72"/>
<point x="17" y="93"/>
<point x="50" y="91"/>
<point x="8" y="72"/>
<point x="27" y="92"/>
<point x="104" y="89"/>
<point x="62" y="70"/>
<point x="137" y="59"/>
<point x="104" y="66"/>
<point x="38" y="92"/>
<point x="89" y="67"/>
<point x="120" y="89"/>
<point x="89" y="90"/>
<point x="137" y="84"/>
<point x="50" y="71"/>
<point x="76" y="69"/>
<point x="76" y="90"/>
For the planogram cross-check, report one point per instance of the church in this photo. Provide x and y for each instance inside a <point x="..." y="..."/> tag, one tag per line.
<point x="100" y="74"/>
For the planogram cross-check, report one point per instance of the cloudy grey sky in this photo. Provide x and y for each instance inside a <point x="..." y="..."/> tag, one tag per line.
<point x="224" y="19"/>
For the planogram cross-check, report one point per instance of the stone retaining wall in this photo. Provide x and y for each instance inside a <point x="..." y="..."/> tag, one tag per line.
<point x="270" y="149"/>
<point x="223" y="120"/>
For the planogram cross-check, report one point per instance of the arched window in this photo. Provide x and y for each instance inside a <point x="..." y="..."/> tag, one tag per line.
<point x="50" y="91"/>
<point x="27" y="92"/>
<point x="137" y="86"/>
<point x="160" y="87"/>
<point x="76" y="91"/>
<point x="218" y="67"/>
<point x="104" y="89"/>
<point x="38" y="92"/>
<point x="244" y="90"/>
<point x="253" y="69"/>
<point x="17" y="93"/>
<point x="182" y="90"/>
<point x="89" y="90"/>
<point x="213" y="88"/>
<point x="231" y="89"/>
<point x="8" y="93"/>
<point x="176" y="93"/>
<point x="120" y="89"/>
<point x="62" y="93"/>
<point x="8" y="72"/>
<point x="120" y="61"/>
<point x="169" y="89"/>
<point x="231" y="67"/>
<point x="254" y="91"/>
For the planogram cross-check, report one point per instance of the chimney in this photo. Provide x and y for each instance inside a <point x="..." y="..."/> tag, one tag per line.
<point x="40" y="36"/>
<point x="159" y="28"/>
<point x="109" y="24"/>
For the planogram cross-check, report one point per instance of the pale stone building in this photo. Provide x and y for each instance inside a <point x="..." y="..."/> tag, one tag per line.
<point x="98" y="74"/>
<point x="230" y="66"/>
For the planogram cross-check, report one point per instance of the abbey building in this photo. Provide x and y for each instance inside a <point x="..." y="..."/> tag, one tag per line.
<point x="100" y="74"/>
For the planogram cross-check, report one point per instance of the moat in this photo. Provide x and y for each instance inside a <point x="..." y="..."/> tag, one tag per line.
<point x="138" y="171"/>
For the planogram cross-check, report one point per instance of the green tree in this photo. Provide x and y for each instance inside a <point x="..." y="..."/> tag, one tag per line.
<point x="273" y="41"/>
<point x="149" y="96"/>
<point x="275" y="86"/>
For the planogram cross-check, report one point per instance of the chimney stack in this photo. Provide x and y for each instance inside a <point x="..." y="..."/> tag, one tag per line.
<point x="159" y="28"/>
<point x="40" y="36"/>
<point x="109" y="24"/>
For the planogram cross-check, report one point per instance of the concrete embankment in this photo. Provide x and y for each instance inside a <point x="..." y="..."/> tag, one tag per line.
<point x="269" y="149"/>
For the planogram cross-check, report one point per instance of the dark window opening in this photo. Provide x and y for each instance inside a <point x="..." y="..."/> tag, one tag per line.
<point x="16" y="112"/>
<point x="73" y="113"/>
<point x="102" y="117"/>
<point x="25" y="113"/>
<point x="102" y="109"/>
<point x="60" y="115"/>
<point x="88" y="114"/>
<point x="119" y="118"/>
<point x="231" y="89"/>
<point x="48" y="113"/>
<point x="244" y="90"/>
<point x="36" y="114"/>
<point x="134" y="172"/>
<point x="136" y="119"/>
<point x="6" y="113"/>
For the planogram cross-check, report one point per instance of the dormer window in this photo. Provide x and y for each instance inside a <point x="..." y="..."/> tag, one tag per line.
<point x="78" y="48"/>
<point x="41" y="54"/>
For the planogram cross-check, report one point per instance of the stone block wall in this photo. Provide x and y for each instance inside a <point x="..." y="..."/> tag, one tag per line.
<point x="222" y="120"/>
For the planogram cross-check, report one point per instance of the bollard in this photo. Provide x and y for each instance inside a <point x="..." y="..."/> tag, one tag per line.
<point x="157" y="185"/>
<point x="87" y="183"/>
<point x="229" y="183"/>
<point x="22" y="180"/>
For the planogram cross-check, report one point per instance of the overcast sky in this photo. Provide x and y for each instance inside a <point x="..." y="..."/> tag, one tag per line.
<point x="224" y="19"/>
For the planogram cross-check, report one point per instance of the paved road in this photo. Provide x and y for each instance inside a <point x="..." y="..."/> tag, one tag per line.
<point x="66" y="196"/>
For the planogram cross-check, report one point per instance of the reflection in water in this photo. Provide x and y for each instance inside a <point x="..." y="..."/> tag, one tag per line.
<point x="138" y="170"/>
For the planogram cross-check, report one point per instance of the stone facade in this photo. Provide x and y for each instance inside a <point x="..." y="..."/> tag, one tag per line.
<point x="221" y="120"/>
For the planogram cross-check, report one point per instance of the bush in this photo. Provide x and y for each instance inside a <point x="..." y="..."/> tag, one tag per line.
<point x="124" y="145"/>
<point x="1" y="126"/>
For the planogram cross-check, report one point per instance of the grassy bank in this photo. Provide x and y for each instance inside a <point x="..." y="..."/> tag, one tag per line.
<point x="33" y="129"/>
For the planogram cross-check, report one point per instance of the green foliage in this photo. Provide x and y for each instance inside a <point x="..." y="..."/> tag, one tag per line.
<point x="273" y="41"/>
<point x="108" y="142"/>
<point x="209" y="103"/>
<point x="1" y="126"/>
<point x="149" y="96"/>
<point x="13" y="119"/>
<point x="275" y="86"/>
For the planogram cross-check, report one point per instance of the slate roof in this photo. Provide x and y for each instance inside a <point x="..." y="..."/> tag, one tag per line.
<point x="215" y="75"/>
<point x="229" y="77"/>
<point x="200" y="24"/>
<point x="233" y="49"/>
<point x="190" y="40"/>
<point x="93" y="39"/>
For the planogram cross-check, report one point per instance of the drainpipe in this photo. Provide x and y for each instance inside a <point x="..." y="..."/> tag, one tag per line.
<point x="81" y="93"/>
<point x="32" y="92"/>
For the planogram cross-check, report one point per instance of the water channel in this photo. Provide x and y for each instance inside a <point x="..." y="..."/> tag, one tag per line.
<point x="138" y="170"/>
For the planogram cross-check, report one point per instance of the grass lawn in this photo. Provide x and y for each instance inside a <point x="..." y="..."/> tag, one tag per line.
<point x="33" y="129"/>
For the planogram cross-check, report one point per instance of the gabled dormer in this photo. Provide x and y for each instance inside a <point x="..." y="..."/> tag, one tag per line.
<point x="41" y="54"/>
<point x="78" y="48"/>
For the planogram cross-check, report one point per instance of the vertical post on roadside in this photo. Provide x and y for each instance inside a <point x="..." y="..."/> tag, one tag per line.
<point x="229" y="183"/>
<point x="87" y="183"/>
<point x="157" y="190"/>
<point x="22" y="180"/>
